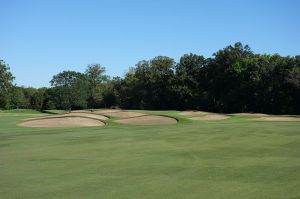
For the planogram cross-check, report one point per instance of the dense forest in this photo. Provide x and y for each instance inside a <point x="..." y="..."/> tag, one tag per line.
<point x="234" y="79"/>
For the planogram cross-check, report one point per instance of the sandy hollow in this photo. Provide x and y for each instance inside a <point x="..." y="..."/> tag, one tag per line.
<point x="148" y="120"/>
<point x="62" y="122"/>
<point x="124" y="114"/>
<point x="278" y="119"/>
<point x="89" y="115"/>
<point x="103" y="111"/>
<point x="191" y="113"/>
<point x="249" y="114"/>
<point x="211" y="117"/>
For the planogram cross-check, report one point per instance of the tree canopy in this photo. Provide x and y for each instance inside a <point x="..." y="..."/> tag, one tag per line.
<point x="6" y="83"/>
<point x="234" y="79"/>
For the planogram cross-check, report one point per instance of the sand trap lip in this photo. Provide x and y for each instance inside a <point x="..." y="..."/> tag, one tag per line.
<point x="250" y="114"/>
<point x="82" y="114"/>
<point x="124" y="114"/>
<point x="211" y="117"/>
<point x="278" y="119"/>
<point x="81" y="111"/>
<point x="103" y="111"/>
<point x="191" y="113"/>
<point x="89" y="115"/>
<point x="148" y="120"/>
<point x="65" y="121"/>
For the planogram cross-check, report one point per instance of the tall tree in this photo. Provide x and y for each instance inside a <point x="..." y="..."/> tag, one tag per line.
<point x="6" y="83"/>
<point x="222" y="77"/>
<point x="150" y="84"/>
<point x="18" y="98"/>
<point x="72" y="89"/>
<point x="162" y="82"/>
<point x="97" y="79"/>
<point x="189" y="81"/>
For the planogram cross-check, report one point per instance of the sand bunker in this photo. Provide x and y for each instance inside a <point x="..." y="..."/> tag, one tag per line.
<point x="148" y="120"/>
<point x="89" y="115"/>
<point x="62" y="122"/>
<point x="103" y="111"/>
<point x="79" y="114"/>
<point x="189" y="113"/>
<point x="123" y="114"/>
<point x="249" y="114"/>
<point x="81" y="111"/>
<point x="278" y="119"/>
<point x="211" y="117"/>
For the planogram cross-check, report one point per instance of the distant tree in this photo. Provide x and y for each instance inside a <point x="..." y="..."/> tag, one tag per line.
<point x="161" y="82"/>
<point x="189" y="81"/>
<point x="233" y="80"/>
<point x="222" y="76"/>
<point x="6" y="77"/>
<point x="96" y="73"/>
<point x="129" y="92"/>
<point x="97" y="78"/>
<point x="294" y="73"/>
<point x="149" y="85"/>
<point x="109" y="95"/>
<point x="51" y="99"/>
<point x="293" y="79"/>
<point x="18" y="98"/>
<point x="281" y="92"/>
<point x="6" y="83"/>
<point x="72" y="89"/>
<point x="38" y="98"/>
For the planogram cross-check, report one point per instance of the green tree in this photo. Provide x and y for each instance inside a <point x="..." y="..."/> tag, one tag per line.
<point x="72" y="90"/>
<point x="149" y="85"/>
<point x="19" y="98"/>
<point x="109" y="95"/>
<point x="189" y="81"/>
<point x="38" y="98"/>
<point x="6" y="83"/>
<point x="97" y="78"/>
<point x="161" y="83"/>
<point x="222" y="77"/>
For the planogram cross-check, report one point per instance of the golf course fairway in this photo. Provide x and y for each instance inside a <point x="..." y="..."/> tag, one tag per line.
<point x="234" y="158"/>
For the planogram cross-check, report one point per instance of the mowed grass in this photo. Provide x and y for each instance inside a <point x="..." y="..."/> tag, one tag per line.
<point x="233" y="158"/>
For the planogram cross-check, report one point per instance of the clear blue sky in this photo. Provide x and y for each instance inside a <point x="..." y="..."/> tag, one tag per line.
<point x="38" y="39"/>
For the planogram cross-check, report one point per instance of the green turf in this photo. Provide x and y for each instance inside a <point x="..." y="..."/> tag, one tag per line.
<point x="234" y="158"/>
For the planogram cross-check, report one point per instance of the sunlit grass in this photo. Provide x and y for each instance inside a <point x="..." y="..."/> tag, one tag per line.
<point x="232" y="158"/>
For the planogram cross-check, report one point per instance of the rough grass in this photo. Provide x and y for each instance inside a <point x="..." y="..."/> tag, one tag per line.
<point x="233" y="158"/>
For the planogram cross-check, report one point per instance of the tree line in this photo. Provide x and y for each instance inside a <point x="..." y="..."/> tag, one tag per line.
<point x="234" y="79"/>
